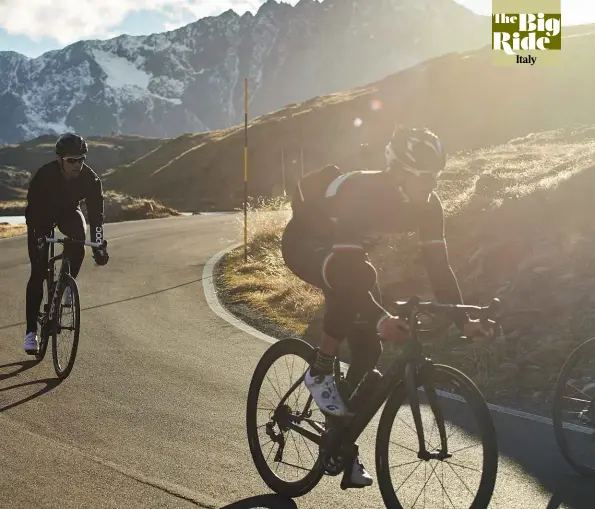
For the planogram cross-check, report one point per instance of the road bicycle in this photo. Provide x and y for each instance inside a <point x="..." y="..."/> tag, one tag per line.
<point x="58" y="304"/>
<point x="408" y="388"/>
<point x="574" y="409"/>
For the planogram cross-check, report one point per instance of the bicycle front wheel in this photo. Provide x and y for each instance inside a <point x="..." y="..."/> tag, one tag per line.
<point x="65" y="335"/>
<point x="574" y="409"/>
<point x="464" y="477"/>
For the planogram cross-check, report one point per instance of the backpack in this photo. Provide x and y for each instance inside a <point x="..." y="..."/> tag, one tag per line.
<point x="308" y="196"/>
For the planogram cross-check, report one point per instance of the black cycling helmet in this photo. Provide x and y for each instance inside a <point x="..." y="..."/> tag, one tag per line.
<point x="71" y="144"/>
<point x="417" y="150"/>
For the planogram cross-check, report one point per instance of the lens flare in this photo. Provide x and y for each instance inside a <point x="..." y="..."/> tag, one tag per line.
<point x="358" y="122"/>
<point x="376" y="104"/>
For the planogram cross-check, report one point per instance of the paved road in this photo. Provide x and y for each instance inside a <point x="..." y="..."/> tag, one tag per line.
<point x="153" y="412"/>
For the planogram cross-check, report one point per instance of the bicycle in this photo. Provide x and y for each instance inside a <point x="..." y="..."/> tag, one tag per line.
<point x="408" y="377"/>
<point x="580" y="419"/>
<point x="48" y="318"/>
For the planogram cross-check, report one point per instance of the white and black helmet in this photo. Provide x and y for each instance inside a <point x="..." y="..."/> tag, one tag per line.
<point x="417" y="150"/>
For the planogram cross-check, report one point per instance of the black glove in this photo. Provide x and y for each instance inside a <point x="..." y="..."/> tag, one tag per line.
<point x="100" y="256"/>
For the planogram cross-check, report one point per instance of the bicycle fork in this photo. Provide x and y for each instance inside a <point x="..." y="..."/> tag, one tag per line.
<point x="412" y="377"/>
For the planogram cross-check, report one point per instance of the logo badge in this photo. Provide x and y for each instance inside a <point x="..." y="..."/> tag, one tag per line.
<point x="526" y="32"/>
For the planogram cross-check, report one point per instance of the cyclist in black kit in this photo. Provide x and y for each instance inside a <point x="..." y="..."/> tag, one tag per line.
<point x="53" y="198"/>
<point x="334" y="214"/>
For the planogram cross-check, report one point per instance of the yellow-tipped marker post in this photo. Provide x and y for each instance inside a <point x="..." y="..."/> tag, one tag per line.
<point x="245" y="169"/>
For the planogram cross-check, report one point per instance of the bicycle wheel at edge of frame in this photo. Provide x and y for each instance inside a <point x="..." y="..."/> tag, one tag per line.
<point x="556" y="409"/>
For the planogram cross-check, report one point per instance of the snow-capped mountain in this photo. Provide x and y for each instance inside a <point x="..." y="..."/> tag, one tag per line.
<point x="191" y="79"/>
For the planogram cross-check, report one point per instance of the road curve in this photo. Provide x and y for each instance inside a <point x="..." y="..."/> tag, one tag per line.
<point x="153" y="412"/>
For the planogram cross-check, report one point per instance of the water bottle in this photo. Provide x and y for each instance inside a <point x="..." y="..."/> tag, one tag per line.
<point x="365" y="389"/>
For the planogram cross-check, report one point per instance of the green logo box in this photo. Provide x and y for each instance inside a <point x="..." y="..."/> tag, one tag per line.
<point x="526" y="32"/>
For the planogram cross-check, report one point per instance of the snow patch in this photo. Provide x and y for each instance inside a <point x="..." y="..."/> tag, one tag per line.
<point x="121" y="72"/>
<point x="37" y="126"/>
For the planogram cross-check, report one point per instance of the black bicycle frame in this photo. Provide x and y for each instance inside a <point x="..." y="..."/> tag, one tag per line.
<point x="64" y="269"/>
<point x="413" y="370"/>
<point x="403" y="370"/>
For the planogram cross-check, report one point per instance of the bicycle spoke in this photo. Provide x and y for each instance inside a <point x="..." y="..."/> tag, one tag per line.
<point x="411" y="473"/>
<point x="294" y="466"/>
<point x="444" y="492"/>
<point x="580" y="391"/>
<point x="276" y="392"/>
<point x="268" y="400"/>
<point x="403" y="447"/>
<point x="410" y="427"/>
<point x="422" y="488"/>
<point x="464" y="448"/>
<point x="404" y="464"/>
<point x="265" y="409"/>
<point x="448" y="462"/>
<point x="297" y="450"/>
<point x="460" y="478"/>
<point x="277" y="378"/>
<point x="308" y="447"/>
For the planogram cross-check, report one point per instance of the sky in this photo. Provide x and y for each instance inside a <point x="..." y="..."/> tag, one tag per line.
<point x="32" y="27"/>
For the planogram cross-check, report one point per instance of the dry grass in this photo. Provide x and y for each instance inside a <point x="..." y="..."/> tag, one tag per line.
<point x="264" y="281"/>
<point x="12" y="230"/>
<point x="117" y="208"/>
<point x="519" y="226"/>
<point x="12" y="208"/>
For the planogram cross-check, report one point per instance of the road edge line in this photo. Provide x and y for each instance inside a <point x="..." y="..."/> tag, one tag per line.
<point x="213" y="301"/>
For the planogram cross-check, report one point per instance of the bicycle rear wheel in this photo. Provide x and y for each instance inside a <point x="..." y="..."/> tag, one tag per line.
<point x="466" y="420"/>
<point x="574" y="409"/>
<point x="284" y="426"/>
<point x="65" y="333"/>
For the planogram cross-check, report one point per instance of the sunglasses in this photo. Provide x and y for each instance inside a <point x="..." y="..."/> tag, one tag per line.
<point x="75" y="160"/>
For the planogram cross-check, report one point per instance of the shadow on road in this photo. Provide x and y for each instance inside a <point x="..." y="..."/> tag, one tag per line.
<point x="23" y="366"/>
<point x="263" y="502"/>
<point x="50" y="384"/>
<point x="20" y="324"/>
<point x="575" y="492"/>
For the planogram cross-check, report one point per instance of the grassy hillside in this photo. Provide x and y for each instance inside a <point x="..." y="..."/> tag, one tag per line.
<point x="519" y="226"/>
<point x="18" y="162"/>
<point x="117" y="207"/>
<point x="104" y="151"/>
<point x="13" y="183"/>
<point x="469" y="102"/>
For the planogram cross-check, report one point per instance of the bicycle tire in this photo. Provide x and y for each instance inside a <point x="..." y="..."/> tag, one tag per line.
<point x="64" y="371"/>
<point x="44" y="335"/>
<point x="567" y="367"/>
<point x="487" y="430"/>
<point x="285" y="488"/>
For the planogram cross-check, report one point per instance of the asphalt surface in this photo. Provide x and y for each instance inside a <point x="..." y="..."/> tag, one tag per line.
<point x="153" y="414"/>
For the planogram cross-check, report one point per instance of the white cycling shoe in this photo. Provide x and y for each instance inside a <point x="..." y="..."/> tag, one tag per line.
<point x="359" y="477"/>
<point x="31" y="343"/>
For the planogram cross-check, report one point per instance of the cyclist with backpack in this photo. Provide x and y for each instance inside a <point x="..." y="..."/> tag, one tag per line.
<point x="323" y="244"/>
